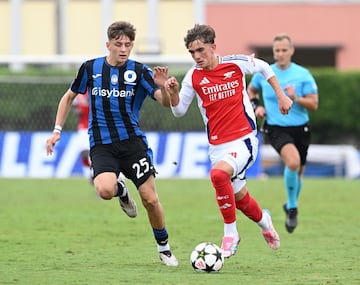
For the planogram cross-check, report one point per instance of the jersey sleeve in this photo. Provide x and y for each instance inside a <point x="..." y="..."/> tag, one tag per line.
<point x="147" y="81"/>
<point x="310" y="86"/>
<point x="186" y="95"/>
<point x="263" y="67"/>
<point x="250" y="65"/>
<point x="79" y="84"/>
<point x="256" y="81"/>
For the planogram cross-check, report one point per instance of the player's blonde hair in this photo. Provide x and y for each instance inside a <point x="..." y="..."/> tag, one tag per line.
<point x="282" y="36"/>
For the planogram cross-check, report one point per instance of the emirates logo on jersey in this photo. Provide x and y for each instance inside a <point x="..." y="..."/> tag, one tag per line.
<point x="221" y="91"/>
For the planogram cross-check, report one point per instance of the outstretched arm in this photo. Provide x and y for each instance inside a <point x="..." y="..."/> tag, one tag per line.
<point x="160" y="77"/>
<point x="180" y="98"/>
<point x="64" y="108"/>
<point x="284" y="102"/>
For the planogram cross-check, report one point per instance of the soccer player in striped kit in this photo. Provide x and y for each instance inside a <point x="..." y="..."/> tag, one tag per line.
<point x="218" y="82"/>
<point x="117" y="87"/>
<point x="290" y="135"/>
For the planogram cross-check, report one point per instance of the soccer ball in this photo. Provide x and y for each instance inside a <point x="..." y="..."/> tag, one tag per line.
<point x="207" y="257"/>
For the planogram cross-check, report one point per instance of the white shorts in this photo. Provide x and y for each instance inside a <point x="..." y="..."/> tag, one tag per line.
<point x="240" y="154"/>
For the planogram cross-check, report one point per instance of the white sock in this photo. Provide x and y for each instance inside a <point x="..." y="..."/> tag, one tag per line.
<point x="230" y="229"/>
<point x="162" y="248"/>
<point x="264" y="222"/>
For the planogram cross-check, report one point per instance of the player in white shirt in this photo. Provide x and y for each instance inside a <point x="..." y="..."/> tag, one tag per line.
<point x="218" y="82"/>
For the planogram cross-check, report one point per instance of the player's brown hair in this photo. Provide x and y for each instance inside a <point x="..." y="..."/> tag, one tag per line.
<point x="204" y="33"/>
<point x="121" y="28"/>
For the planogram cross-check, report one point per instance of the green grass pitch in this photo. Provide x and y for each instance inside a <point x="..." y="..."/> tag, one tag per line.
<point x="57" y="232"/>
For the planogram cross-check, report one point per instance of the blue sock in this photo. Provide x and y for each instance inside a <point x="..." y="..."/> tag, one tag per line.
<point x="292" y="186"/>
<point x="299" y="189"/>
<point x="161" y="236"/>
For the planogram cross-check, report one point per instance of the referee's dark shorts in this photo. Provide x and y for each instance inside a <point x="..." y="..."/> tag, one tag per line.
<point x="298" y="135"/>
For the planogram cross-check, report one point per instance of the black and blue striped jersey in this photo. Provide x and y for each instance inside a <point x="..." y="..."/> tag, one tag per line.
<point x="116" y="95"/>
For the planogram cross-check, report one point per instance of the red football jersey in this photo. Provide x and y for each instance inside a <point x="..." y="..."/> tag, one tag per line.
<point x="222" y="97"/>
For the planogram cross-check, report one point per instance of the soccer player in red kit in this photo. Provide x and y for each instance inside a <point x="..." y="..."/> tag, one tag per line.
<point x="218" y="82"/>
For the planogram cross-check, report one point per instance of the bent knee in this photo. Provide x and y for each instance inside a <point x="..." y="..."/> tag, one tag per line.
<point x="105" y="193"/>
<point x="293" y="165"/>
<point x="218" y="176"/>
<point x="150" y="202"/>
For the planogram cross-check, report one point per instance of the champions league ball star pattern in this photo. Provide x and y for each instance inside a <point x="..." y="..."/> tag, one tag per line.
<point x="207" y="257"/>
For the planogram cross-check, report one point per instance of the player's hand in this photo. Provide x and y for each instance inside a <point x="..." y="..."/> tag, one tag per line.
<point x="50" y="143"/>
<point x="161" y="75"/>
<point x="260" y="112"/>
<point x="172" y="86"/>
<point x="285" y="104"/>
<point x="290" y="90"/>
